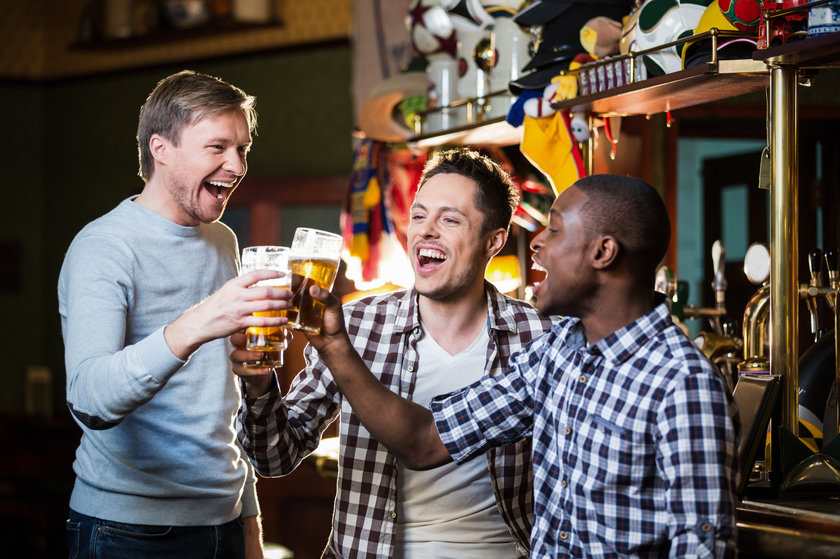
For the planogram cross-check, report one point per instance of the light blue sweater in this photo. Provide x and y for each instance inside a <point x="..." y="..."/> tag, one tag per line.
<point x="159" y="440"/>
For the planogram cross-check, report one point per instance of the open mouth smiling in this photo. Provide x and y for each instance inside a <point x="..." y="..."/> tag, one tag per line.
<point x="218" y="189"/>
<point x="537" y="268"/>
<point x="429" y="258"/>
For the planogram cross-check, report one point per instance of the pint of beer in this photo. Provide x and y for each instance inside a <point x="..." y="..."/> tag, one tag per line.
<point x="313" y="261"/>
<point x="273" y="340"/>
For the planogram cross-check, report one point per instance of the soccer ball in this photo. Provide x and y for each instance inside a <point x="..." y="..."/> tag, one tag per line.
<point x="743" y="14"/>
<point x="663" y="21"/>
<point x="467" y="15"/>
<point x="430" y="29"/>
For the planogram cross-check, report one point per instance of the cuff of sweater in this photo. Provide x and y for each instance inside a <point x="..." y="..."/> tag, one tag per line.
<point x="158" y="360"/>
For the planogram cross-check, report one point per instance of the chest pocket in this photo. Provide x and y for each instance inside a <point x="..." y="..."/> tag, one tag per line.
<point x="618" y="456"/>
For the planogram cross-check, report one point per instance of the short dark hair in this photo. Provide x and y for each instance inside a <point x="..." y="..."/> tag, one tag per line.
<point x="496" y="196"/>
<point x="182" y="99"/>
<point x="631" y="211"/>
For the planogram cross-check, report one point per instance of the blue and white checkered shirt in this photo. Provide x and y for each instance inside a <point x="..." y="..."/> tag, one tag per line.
<point x="634" y="440"/>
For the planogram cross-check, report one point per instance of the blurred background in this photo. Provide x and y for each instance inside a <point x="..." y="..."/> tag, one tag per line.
<point x="73" y="75"/>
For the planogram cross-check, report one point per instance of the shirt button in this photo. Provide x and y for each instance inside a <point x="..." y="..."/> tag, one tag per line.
<point x="563" y="483"/>
<point x="582" y="378"/>
<point x="563" y="535"/>
<point x="410" y="368"/>
<point x="393" y="515"/>
<point x="706" y="527"/>
<point x="568" y="431"/>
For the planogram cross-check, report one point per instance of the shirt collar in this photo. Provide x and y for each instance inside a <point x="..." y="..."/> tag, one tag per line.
<point x="627" y="341"/>
<point x="500" y="314"/>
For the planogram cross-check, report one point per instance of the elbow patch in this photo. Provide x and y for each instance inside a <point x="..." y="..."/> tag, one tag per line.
<point x="90" y="421"/>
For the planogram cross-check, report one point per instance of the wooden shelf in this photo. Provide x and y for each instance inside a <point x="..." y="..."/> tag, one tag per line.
<point x="821" y="51"/>
<point x="491" y="132"/>
<point x="698" y="85"/>
<point x="695" y="86"/>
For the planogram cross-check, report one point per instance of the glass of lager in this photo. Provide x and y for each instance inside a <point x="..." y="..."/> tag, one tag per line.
<point x="313" y="261"/>
<point x="273" y="340"/>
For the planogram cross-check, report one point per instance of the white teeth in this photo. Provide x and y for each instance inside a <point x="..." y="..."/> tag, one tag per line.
<point x="537" y="267"/>
<point x="222" y="184"/>
<point x="221" y="187"/>
<point x="431" y="253"/>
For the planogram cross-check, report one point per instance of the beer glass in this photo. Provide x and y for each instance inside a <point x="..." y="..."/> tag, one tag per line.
<point x="271" y="341"/>
<point x="313" y="261"/>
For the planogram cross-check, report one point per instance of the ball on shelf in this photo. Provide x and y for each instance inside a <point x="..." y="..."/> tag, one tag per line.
<point x="743" y="14"/>
<point x="430" y="29"/>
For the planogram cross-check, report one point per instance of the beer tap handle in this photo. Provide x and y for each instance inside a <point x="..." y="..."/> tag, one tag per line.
<point x="815" y="267"/>
<point x="831" y="264"/>
<point x="718" y="264"/>
<point x="811" y="293"/>
<point x="730" y="329"/>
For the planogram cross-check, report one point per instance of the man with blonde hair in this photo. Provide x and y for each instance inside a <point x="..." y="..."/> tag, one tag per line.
<point x="148" y="295"/>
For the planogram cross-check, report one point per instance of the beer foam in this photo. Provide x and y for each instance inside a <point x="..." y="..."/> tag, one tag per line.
<point x="299" y="256"/>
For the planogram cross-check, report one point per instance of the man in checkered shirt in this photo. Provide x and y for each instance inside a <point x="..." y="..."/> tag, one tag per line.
<point x="633" y="429"/>
<point x="450" y="330"/>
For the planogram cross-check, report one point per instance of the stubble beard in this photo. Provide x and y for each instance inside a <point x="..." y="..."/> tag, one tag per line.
<point x="453" y="289"/>
<point x="193" y="207"/>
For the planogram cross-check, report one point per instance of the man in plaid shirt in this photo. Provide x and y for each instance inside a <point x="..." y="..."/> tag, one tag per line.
<point x="451" y="329"/>
<point x="633" y="429"/>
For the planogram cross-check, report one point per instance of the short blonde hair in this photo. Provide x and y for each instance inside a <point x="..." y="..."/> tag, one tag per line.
<point x="183" y="99"/>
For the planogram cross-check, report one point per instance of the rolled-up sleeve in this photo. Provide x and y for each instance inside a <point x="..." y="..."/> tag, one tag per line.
<point x="697" y="427"/>
<point x="493" y="411"/>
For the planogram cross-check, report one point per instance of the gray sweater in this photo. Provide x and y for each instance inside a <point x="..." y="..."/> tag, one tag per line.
<point x="158" y="443"/>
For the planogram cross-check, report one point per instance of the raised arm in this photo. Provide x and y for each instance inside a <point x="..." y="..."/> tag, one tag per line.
<point x="406" y="428"/>
<point x="226" y="311"/>
<point x="113" y="369"/>
<point x="278" y="432"/>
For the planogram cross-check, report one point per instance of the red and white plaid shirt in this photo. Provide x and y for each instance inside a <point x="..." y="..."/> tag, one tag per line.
<point x="278" y="433"/>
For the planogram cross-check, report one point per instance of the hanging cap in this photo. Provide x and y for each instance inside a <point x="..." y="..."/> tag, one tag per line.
<point x="539" y="79"/>
<point x="561" y="36"/>
<point x="378" y="117"/>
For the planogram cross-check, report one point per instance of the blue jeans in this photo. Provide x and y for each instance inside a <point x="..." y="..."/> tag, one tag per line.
<point x="92" y="538"/>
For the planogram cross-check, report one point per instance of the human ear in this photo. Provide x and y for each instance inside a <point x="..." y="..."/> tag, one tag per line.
<point x="605" y="252"/>
<point x="495" y="241"/>
<point x="158" y="148"/>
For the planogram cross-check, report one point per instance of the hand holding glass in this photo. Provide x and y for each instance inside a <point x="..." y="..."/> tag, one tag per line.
<point x="313" y="261"/>
<point x="272" y="340"/>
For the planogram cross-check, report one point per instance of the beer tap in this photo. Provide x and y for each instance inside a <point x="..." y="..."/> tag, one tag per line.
<point x="719" y="281"/>
<point x="831" y="264"/>
<point x="756" y="312"/>
<point x="831" y="426"/>
<point x="756" y="317"/>
<point x="725" y="350"/>
<point x="814" y="290"/>
<point x="713" y="315"/>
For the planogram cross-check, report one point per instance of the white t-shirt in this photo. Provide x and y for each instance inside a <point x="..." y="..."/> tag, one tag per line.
<point x="449" y="511"/>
